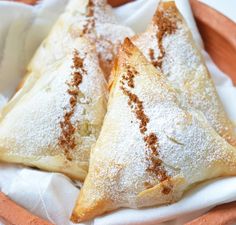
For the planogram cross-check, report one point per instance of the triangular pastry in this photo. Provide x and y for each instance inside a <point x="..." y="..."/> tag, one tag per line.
<point x="54" y="124"/>
<point x="93" y="19"/>
<point x="151" y="148"/>
<point x="169" y="45"/>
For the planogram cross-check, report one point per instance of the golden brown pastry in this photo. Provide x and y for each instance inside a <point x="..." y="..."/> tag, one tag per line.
<point x="169" y="45"/>
<point x="151" y="148"/>
<point x="54" y="124"/>
<point x="93" y="19"/>
<point x="48" y="123"/>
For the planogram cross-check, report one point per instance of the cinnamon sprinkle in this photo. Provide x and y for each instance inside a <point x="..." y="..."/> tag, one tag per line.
<point x="166" y="189"/>
<point x="67" y="139"/>
<point x="129" y="77"/>
<point x="155" y="166"/>
<point x="134" y="102"/>
<point x="90" y="23"/>
<point x="137" y="107"/>
<point x="151" y="140"/>
<point x="166" y="26"/>
<point x="152" y="57"/>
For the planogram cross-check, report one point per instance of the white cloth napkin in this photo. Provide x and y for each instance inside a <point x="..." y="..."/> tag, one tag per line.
<point x="51" y="195"/>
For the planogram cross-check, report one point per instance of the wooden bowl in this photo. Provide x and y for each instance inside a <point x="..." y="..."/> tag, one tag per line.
<point x="219" y="37"/>
<point x="13" y="214"/>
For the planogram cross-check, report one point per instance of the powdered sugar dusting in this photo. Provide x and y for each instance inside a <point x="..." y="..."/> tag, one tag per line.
<point x="184" y="67"/>
<point x="32" y="128"/>
<point x="188" y="147"/>
<point x="101" y="26"/>
<point x="96" y="16"/>
<point x="98" y="23"/>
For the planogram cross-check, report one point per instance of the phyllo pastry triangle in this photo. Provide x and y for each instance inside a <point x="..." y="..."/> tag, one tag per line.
<point x="54" y="124"/>
<point x="92" y="19"/>
<point x="169" y="45"/>
<point x="151" y="148"/>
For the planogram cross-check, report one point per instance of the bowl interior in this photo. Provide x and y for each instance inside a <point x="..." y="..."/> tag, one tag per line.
<point x="219" y="36"/>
